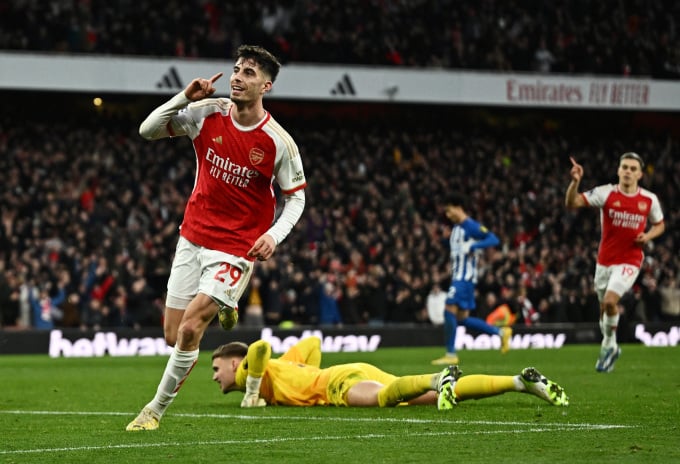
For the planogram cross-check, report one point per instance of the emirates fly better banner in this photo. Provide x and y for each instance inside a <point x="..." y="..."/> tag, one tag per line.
<point x="92" y="74"/>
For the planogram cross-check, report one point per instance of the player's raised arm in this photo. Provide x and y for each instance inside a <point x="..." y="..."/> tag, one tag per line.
<point x="159" y="123"/>
<point x="573" y="198"/>
<point x="259" y="354"/>
<point x="307" y="351"/>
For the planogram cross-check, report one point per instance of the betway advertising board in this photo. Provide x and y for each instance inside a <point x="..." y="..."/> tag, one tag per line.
<point x="135" y="75"/>
<point x="75" y="343"/>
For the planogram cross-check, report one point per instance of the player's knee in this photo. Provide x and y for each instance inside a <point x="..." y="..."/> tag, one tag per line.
<point x="190" y="329"/>
<point x="171" y="339"/>
<point x="610" y="306"/>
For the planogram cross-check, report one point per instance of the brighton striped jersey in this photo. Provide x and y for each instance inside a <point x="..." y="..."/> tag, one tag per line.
<point x="466" y="238"/>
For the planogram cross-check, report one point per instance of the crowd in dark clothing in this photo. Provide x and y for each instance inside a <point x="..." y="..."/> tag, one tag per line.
<point x="628" y="37"/>
<point x="90" y="215"/>
<point x="90" y="211"/>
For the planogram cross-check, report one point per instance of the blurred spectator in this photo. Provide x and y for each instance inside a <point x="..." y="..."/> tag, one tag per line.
<point x="670" y="299"/>
<point x="140" y="308"/>
<point x="554" y="308"/>
<point x="329" y="310"/>
<point x="274" y="302"/>
<point x="9" y="298"/>
<point x="543" y="58"/>
<point x="649" y="309"/>
<point x="528" y="314"/>
<point x="503" y="312"/>
<point x="373" y="296"/>
<point x="252" y="315"/>
<point x="350" y="300"/>
<point x="435" y="304"/>
<point x="45" y="303"/>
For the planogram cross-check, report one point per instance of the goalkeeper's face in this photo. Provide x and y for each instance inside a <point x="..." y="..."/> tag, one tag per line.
<point x="224" y="373"/>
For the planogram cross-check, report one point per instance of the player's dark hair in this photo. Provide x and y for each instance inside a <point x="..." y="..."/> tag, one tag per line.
<point x="231" y="350"/>
<point x="633" y="156"/>
<point x="268" y="62"/>
<point x="455" y="199"/>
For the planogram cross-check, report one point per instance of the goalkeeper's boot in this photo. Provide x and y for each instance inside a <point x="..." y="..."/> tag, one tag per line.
<point x="539" y="385"/>
<point x="446" y="360"/>
<point x="608" y="356"/>
<point x="506" y="335"/>
<point x="446" y="398"/>
<point x="146" y="420"/>
<point x="227" y="316"/>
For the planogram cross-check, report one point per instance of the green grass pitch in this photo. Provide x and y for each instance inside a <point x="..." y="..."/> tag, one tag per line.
<point x="75" y="411"/>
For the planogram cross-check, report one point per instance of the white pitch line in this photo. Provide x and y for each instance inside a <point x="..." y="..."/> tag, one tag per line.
<point x="336" y="419"/>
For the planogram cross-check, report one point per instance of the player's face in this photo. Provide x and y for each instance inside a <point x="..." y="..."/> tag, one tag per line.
<point x="224" y="373"/>
<point x="248" y="82"/>
<point x="630" y="172"/>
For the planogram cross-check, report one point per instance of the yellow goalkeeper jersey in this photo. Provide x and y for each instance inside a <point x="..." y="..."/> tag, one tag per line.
<point x="295" y="379"/>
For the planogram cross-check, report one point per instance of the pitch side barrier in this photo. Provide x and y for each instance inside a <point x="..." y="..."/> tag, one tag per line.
<point x="149" y="342"/>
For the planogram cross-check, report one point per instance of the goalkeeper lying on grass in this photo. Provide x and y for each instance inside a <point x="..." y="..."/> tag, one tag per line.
<point x="295" y="379"/>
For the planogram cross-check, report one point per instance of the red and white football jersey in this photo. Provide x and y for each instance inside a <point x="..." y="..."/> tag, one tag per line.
<point x="233" y="200"/>
<point x="623" y="217"/>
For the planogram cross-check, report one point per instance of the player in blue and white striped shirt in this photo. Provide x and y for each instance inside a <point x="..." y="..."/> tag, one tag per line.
<point x="467" y="237"/>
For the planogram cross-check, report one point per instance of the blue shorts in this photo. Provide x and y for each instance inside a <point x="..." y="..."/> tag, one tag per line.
<point x="461" y="294"/>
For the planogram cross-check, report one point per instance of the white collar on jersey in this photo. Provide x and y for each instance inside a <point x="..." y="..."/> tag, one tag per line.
<point x="249" y="128"/>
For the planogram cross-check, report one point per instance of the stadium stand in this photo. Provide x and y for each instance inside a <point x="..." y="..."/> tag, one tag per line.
<point x="628" y="37"/>
<point x="91" y="209"/>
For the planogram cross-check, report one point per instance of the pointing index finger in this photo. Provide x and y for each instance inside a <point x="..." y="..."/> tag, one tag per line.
<point x="215" y="77"/>
<point x="573" y="161"/>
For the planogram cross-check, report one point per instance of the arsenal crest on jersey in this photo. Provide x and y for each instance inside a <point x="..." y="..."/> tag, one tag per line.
<point x="642" y="206"/>
<point x="256" y="156"/>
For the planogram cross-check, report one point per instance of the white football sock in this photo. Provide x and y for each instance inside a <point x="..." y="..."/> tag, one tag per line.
<point x="177" y="370"/>
<point x="609" y="325"/>
<point x="519" y="385"/>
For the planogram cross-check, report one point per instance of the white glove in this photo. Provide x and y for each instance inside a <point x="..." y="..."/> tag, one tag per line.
<point x="466" y="246"/>
<point x="252" y="400"/>
<point x="252" y="397"/>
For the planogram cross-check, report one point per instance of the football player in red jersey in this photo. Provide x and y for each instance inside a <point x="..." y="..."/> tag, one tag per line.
<point x="625" y="209"/>
<point x="229" y="218"/>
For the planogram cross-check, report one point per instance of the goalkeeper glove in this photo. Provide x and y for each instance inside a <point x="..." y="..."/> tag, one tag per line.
<point x="252" y="397"/>
<point x="253" y="401"/>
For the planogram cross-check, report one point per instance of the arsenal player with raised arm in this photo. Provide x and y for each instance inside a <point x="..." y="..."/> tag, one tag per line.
<point x="625" y="209"/>
<point x="229" y="220"/>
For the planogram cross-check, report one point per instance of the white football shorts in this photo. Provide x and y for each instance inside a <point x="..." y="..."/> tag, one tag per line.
<point x="196" y="269"/>
<point x="618" y="279"/>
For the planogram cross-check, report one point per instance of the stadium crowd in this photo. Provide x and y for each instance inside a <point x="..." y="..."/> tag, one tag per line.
<point x="629" y="37"/>
<point x="90" y="212"/>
